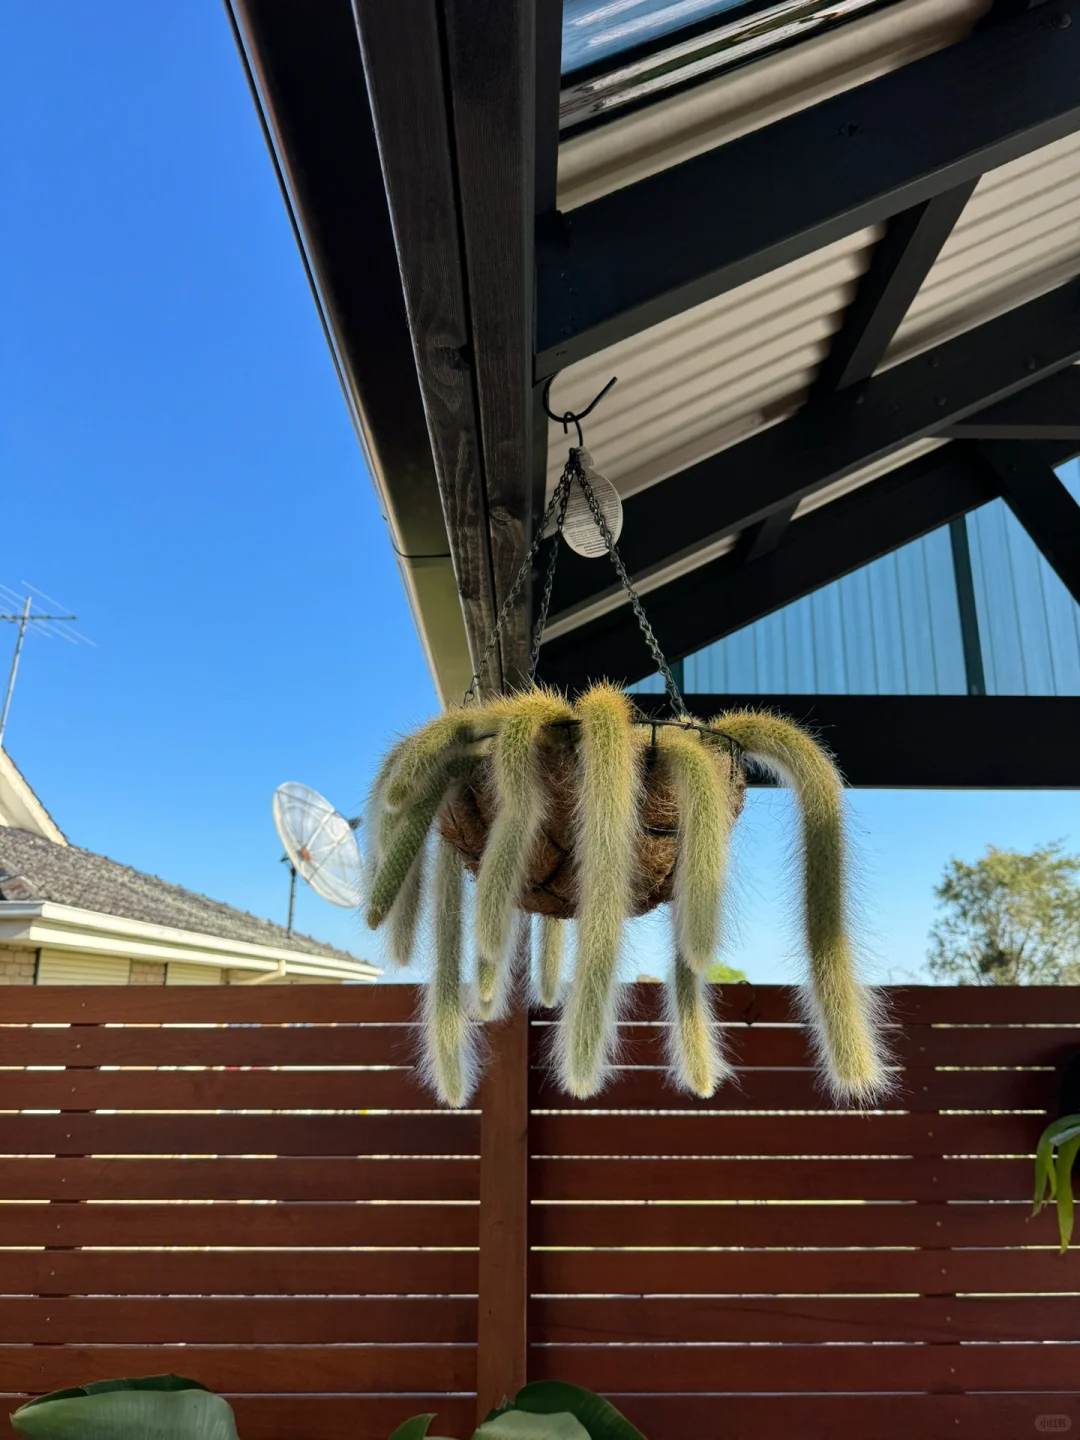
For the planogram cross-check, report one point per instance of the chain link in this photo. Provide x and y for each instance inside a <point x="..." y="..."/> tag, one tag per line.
<point x="558" y="501"/>
<point x="573" y="472"/>
<point x="674" y="694"/>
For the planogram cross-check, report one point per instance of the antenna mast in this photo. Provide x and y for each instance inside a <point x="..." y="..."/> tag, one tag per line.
<point x="22" y="619"/>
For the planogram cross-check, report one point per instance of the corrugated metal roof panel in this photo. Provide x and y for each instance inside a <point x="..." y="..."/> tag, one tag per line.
<point x="669" y="131"/>
<point x="707" y="378"/>
<point x="1019" y="236"/>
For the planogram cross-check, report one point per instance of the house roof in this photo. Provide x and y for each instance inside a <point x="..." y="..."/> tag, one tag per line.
<point x="34" y="868"/>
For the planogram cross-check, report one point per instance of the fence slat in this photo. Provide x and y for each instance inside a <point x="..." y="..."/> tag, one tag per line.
<point x="446" y="1133"/>
<point x="213" y="1090"/>
<point x="916" y="1089"/>
<point x="167" y="1178"/>
<point x="342" y="1369"/>
<point x="221" y="1321"/>
<point x="252" y="1272"/>
<point x="224" y="1223"/>
<point x="772" y="1320"/>
<point x="808" y="1368"/>
<point x="211" y="1004"/>
<point x="716" y="1133"/>
<point x="803" y="1225"/>
<point x="155" y="1045"/>
<point x="804" y="1272"/>
<point x="919" y="1179"/>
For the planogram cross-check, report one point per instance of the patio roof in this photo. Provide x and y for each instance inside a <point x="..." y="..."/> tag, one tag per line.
<point x="838" y="284"/>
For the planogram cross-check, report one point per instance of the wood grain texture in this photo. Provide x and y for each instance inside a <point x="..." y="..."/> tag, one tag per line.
<point x="188" y="1090"/>
<point x="504" y="1207"/>
<point x="918" y="1179"/>
<point x="220" y="1224"/>
<point x="802" y="1320"/>
<point x="222" y="1321"/>
<point x="917" y="1089"/>
<point x="804" y="1272"/>
<point x="930" y="1226"/>
<point x="211" y="1005"/>
<point x="728" y="1135"/>
<point x="92" y="1045"/>
<point x="257" y="1369"/>
<point x="437" y="1134"/>
<point x="238" y="1179"/>
<point x="254" y="1272"/>
<point x="490" y="72"/>
<point x="809" y="1368"/>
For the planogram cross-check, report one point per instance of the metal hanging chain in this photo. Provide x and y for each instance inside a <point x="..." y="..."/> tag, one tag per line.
<point x="573" y="473"/>
<point x="674" y="694"/>
<point x="557" y="502"/>
<point x="549" y="579"/>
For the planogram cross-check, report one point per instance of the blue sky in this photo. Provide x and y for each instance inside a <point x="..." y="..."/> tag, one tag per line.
<point x="178" y="466"/>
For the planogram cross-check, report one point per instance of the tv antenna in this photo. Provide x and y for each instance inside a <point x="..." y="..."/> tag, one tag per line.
<point x="26" y="612"/>
<point x="320" y="844"/>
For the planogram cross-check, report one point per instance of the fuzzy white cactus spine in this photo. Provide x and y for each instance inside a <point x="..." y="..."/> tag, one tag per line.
<point x="423" y="756"/>
<point x="406" y="909"/>
<point x="550" y="960"/>
<point x="522" y="806"/>
<point x="449" y="1037"/>
<point x="695" y="1053"/>
<point x="701" y="775"/>
<point x="405" y="834"/>
<point x="606" y="826"/>
<point x="842" y="1013"/>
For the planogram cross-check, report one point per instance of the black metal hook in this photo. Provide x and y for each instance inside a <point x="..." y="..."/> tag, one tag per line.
<point x="569" y="418"/>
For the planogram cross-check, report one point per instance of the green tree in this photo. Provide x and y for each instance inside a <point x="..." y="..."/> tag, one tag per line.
<point x="1009" y="919"/>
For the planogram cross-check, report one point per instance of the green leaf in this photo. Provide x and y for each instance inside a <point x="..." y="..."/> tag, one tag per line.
<point x="102" y="1387"/>
<point x="1066" y="1156"/>
<point x="415" y="1429"/>
<point x="599" y="1416"/>
<point x="521" y="1425"/>
<point x="129" y="1410"/>
<point x="1045" y="1180"/>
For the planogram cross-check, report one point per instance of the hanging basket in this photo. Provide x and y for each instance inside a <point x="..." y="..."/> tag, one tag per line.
<point x="550" y="887"/>
<point x="581" y="810"/>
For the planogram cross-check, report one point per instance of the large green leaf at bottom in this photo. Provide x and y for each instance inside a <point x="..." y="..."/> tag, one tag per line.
<point x="415" y="1429"/>
<point x="522" y="1425"/>
<point x="599" y="1416"/>
<point x="191" y="1413"/>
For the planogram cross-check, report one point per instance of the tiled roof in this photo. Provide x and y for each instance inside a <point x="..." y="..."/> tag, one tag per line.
<point x="32" y="868"/>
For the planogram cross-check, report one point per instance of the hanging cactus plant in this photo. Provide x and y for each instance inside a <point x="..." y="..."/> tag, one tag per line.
<point x="587" y="813"/>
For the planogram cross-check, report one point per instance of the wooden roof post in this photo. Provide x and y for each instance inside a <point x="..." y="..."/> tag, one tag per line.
<point x="504" y="1213"/>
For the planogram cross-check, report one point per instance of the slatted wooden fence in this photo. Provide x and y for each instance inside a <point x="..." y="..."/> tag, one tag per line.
<point x="182" y="1190"/>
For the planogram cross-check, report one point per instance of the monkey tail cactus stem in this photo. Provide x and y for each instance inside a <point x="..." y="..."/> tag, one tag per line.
<point x="841" y="1012"/>
<point x="606" y="827"/>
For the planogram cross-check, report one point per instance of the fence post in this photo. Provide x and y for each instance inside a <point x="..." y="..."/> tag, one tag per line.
<point x="504" y="1214"/>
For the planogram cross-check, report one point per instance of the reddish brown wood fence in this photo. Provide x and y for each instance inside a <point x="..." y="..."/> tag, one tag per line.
<point x="761" y="1266"/>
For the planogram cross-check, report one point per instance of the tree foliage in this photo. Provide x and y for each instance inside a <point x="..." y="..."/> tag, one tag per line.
<point x="1009" y="919"/>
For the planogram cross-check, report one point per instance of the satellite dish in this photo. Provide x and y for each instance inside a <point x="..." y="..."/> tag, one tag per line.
<point x="319" y="845"/>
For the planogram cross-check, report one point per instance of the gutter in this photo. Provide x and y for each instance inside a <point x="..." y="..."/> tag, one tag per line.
<point x="42" y="924"/>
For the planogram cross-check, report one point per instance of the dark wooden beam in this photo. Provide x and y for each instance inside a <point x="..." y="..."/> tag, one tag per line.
<point x="716" y="599"/>
<point x="403" y="65"/>
<point x="1041" y="503"/>
<point x="491" y="80"/>
<point x="652" y="249"/>
<point x="829" y="441"/>
<point x="1048" y="411"/>
<point x="900" y="263"/>
<point x="941" y="742"/>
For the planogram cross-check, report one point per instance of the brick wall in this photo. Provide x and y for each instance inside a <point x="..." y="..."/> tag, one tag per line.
<point x="147" y="972"/>
<point x="17" y="967"/>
